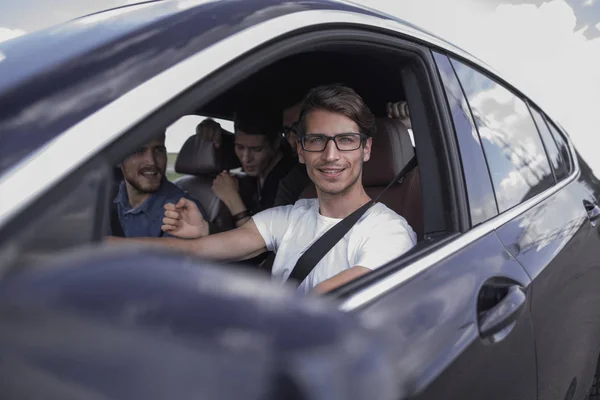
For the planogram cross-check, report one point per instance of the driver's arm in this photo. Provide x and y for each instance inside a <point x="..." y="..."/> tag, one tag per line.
<point x="340" y="279"/>
<point x="234" y="245"/>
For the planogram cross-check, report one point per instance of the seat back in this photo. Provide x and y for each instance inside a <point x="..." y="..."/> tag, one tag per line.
<point x="392" y="150"/>
<point x="201" y="161"/>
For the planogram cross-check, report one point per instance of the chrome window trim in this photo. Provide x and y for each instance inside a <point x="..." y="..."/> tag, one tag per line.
<point x="367" y="295"/>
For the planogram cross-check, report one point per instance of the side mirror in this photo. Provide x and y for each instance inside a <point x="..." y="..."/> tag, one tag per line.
<point x="139" y="323"/>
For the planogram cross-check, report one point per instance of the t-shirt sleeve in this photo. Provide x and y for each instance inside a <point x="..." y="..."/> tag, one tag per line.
<point x="387" y="241"/>
<point x="272" y="225"/>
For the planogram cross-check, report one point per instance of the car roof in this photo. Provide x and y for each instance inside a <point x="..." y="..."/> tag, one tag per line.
<point x="51" y="79"/>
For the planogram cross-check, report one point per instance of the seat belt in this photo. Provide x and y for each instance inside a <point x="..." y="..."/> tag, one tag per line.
<point x="115" y="224"/>
<point x="311" y="257"/>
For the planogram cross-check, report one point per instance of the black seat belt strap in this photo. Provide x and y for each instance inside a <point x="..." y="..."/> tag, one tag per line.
<point x="115" y="224"/>
<point x="311" y="257"/>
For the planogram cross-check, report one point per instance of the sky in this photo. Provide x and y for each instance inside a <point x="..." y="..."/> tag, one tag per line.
<point x="548" y="48"/>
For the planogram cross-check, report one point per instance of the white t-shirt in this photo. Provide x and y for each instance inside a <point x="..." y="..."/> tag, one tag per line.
<point x="378" y="237"/>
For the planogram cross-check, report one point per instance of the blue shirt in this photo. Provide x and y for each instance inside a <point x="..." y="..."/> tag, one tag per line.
<point x="146" y="220"/>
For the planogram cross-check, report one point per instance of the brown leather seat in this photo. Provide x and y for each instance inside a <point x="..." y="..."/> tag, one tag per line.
<point x="392" y="149"/>
<point x="201" y="161"/>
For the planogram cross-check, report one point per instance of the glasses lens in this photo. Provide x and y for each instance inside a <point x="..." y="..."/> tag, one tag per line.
<point x="348" y="142"/>
<point x="314" y="142"/>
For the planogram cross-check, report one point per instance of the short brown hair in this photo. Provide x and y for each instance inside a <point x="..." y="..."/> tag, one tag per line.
<point x="259" y="120"/>
<point x="339" y="99"/>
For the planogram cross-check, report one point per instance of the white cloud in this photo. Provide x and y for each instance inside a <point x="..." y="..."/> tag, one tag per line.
<point x="589" y="2"/>
<point x="7" y="33"/>
<point x="536" y="48"/>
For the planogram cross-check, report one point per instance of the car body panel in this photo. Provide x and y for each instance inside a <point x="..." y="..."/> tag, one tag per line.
<point x="432" y="320"/>
<point x="560" y="250"/>
<point x="142" y="324"/>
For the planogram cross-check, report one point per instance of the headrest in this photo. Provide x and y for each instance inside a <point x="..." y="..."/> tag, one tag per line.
<point x="392" y="150"/>
<point x="201" y="157"/>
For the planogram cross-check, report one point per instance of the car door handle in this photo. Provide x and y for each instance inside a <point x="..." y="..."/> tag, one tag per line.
<point x="504" y="313"/>
<point x="593" y="211"/>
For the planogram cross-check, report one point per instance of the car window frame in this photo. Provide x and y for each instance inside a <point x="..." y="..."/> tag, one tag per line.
<point x="562" y="134"/>
<point x="532" y="109"/>
<point x="449" y="146"/>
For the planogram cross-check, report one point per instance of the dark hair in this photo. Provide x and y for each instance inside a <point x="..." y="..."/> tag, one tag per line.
<point x="259" y="121"/>
<point x="339" y="99"/>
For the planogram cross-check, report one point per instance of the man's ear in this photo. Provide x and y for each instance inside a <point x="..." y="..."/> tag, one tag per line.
<point x="367" y="149"/>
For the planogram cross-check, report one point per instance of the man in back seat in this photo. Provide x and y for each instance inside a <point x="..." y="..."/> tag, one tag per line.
<point x="137" y="210"/>
<point x="258" y="147"/>
<point x="336" y="129"/>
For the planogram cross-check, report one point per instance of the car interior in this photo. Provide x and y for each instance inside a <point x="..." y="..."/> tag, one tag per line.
<point x="284" y="83"/>
<point x="377" y="75"/>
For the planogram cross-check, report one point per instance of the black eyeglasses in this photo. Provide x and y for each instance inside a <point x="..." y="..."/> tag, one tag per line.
<point x="343" y="141"/>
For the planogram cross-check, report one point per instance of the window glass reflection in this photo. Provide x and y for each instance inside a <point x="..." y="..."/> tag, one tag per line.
<point x="551" y="147"/>
<point x="513" y="148"/>
<point x="563" y="147"/>
<point x="482" y="203"/>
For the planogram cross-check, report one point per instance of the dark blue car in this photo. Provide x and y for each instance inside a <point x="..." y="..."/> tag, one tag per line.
<point x="500" y="298"/>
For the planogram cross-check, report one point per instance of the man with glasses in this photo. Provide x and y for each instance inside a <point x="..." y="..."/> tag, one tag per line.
<point x="336" y="131"/>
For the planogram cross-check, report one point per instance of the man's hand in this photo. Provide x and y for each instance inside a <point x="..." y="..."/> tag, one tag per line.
<point x="184" y="220"/>
<point x="226" y="187"/>
<point x="210" y="130"/>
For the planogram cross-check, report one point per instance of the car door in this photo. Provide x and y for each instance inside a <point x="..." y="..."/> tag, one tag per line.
<point x="459" y="317"/>
<point x="531" y="162"/>
<point x="558" y="243"/>
<point x="140" y="324"/>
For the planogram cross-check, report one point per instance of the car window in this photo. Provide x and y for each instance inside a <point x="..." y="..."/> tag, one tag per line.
<point x="178" y="132"/>
<point x="555" y="156"/>
<point x="564" y="151"/>
<point x="513" y="148"/>
<point x="482" y="203"/>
